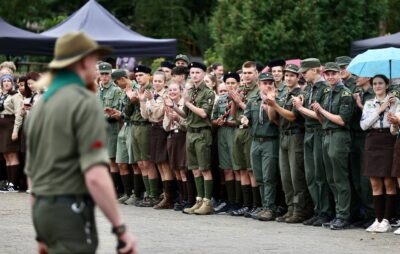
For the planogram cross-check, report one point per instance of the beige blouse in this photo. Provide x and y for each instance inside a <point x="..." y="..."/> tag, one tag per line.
<point x="153" y="109"/>
<point x="175" y="125"/>
<point x="13" y="106"/>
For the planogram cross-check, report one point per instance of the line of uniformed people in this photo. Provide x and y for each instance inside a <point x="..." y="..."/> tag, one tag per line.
<point x="275" y="138"/>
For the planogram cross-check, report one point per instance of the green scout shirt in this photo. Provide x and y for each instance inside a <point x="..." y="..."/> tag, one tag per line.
<point x="261" y="126"/>
<point x="314" y="93"/>
<point x="350" y="83"/>
<point x="66" y="135"/>
<point x="124" y="100"/>
<point x="246" y="92"/>
<point x="223" y="108"/>
<point x="288" y="105"/>
<point x="201" y="97"/>
<point x="282" y="91"/>
<point x="132" y="109"/>
<point x="109" y="95"/>
<point x="338" y="101"/>
<point x="357" y="112"/>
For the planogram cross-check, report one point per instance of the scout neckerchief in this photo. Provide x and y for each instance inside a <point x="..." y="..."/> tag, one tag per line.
<point x="227" y="108"/>
<point x="63" y="78"/>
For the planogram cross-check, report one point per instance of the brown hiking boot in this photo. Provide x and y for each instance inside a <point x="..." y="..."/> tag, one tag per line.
<point x="267" y="215"/>
<point x="197" y="205"/>
<point x="296" y="219"/>
<point x="284" y="217"/>
<point x="165" y="203"/>
<point x="206" y="208"/>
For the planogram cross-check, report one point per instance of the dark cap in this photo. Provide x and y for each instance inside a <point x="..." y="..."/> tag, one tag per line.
<point x="198" y="65"/>
<point x="231" y="75"/>
<point x="292" y="68"/>
<point x="180" y="70"/>
<point x="117" y="74"/>
<point x="142" y="68"/>
<point x="332" y="66"/>
<point x="167" y="64"/>
<point x="343" y="60"/>
<point x="105" y="67"/>
<point x="276" y="62"/>
<point x="183" y="58"/>
<point x="309" y="63"/>
<point x="265" y="76"/>
<point x="259" y="67"/>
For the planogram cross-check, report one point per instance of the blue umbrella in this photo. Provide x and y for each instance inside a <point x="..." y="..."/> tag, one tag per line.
<point x="377" y="61"/>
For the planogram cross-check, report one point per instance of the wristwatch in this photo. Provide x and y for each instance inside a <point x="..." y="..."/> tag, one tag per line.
<point x="119" y="230"/>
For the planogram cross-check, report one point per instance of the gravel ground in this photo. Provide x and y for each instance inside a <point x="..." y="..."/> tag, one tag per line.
<point x="174" y="232"/>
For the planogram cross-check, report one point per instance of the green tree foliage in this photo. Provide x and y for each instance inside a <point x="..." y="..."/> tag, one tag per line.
<point x="262" y="30"/>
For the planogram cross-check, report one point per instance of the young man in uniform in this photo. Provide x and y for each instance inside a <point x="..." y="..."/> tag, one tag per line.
<point x="109" y="95"/>
<point x="335" y="114"/>
<point x="347" y="78"/>
<point x="361" y="187"/>
<point x="265" y="145"/>
<point x="318" y="188"/>
<point x="141" y="136"/>
<point x="242" y="142"/>
<point x="291" y="151"/>
<point x="199" y="102"/>
<point x="125" y="156"/>
<point x="182" y="60"/>
<point x="277" y="67"/>
<point x="66" y="183"/>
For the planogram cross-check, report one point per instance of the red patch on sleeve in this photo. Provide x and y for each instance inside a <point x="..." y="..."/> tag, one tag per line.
<point x="97" y="144"/>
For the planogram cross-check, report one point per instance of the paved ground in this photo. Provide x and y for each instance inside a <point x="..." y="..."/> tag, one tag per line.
<point x="173" y="232"/>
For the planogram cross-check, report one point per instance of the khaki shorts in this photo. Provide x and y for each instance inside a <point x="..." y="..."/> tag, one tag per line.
<point x="241" y="149"/>
<point x="141" y="142"/>
<point x="125" y="146"/>
<point x="198" y="148"/>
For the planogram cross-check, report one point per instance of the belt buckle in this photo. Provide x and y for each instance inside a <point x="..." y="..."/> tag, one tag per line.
<point x="176" y="131"/>
<point x="241" y="126"/>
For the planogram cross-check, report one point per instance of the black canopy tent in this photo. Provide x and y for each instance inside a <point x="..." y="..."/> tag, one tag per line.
<point x="103" y="27"/>
<point x="358" y="47"/>
<point x="15" y="41"/>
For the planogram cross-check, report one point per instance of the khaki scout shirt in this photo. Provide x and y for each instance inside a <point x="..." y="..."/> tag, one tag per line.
<point x="259" y="122"/>
<point x="132" y="109"/>
<point x="298" y="123"/>
<point x="314" y="93"/>
<point x="246" y="92"/>
<point x="13" y="106"/>
<point x="65" y="137"/>
<point x="201" y="97"/>
<point x="153" y="109"/>
<point x="175" y="125"/>
<point x="338" y="101"/>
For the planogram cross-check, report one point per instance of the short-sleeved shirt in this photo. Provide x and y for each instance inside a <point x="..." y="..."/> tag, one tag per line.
<point x="298" y="123"/>
<point x="338" y="101"/>
<point x="201" y="97"/>
<point x="357" y="112"/>
<point x="245" y="92"/>
<point x="314" y="93"/>
<point x="261" y="126"/>
<point x="223" y="108"/>
<point x="66" y="135"/>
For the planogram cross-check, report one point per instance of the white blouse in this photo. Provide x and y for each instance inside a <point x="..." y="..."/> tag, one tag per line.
<point x="370" y="117"/>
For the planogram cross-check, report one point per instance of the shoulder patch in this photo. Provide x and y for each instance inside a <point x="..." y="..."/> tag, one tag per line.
<point x="346" y="93"/>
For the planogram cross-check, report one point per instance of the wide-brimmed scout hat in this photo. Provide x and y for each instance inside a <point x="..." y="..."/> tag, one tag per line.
<point x="73" y="46"/>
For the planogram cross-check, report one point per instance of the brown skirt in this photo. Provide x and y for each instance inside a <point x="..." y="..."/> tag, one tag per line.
<point x="176" y="147"/>
<point x="378" y="154"/>
<point x="158" y="144"/>
<point x="6" y="129"/>
<point x="396" y="159"/>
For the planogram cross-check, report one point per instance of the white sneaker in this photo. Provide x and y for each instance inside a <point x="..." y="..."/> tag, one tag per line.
<point x="373" y="226"/>
<point x="397" y="232"/>
<point x="383" y="227"/>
